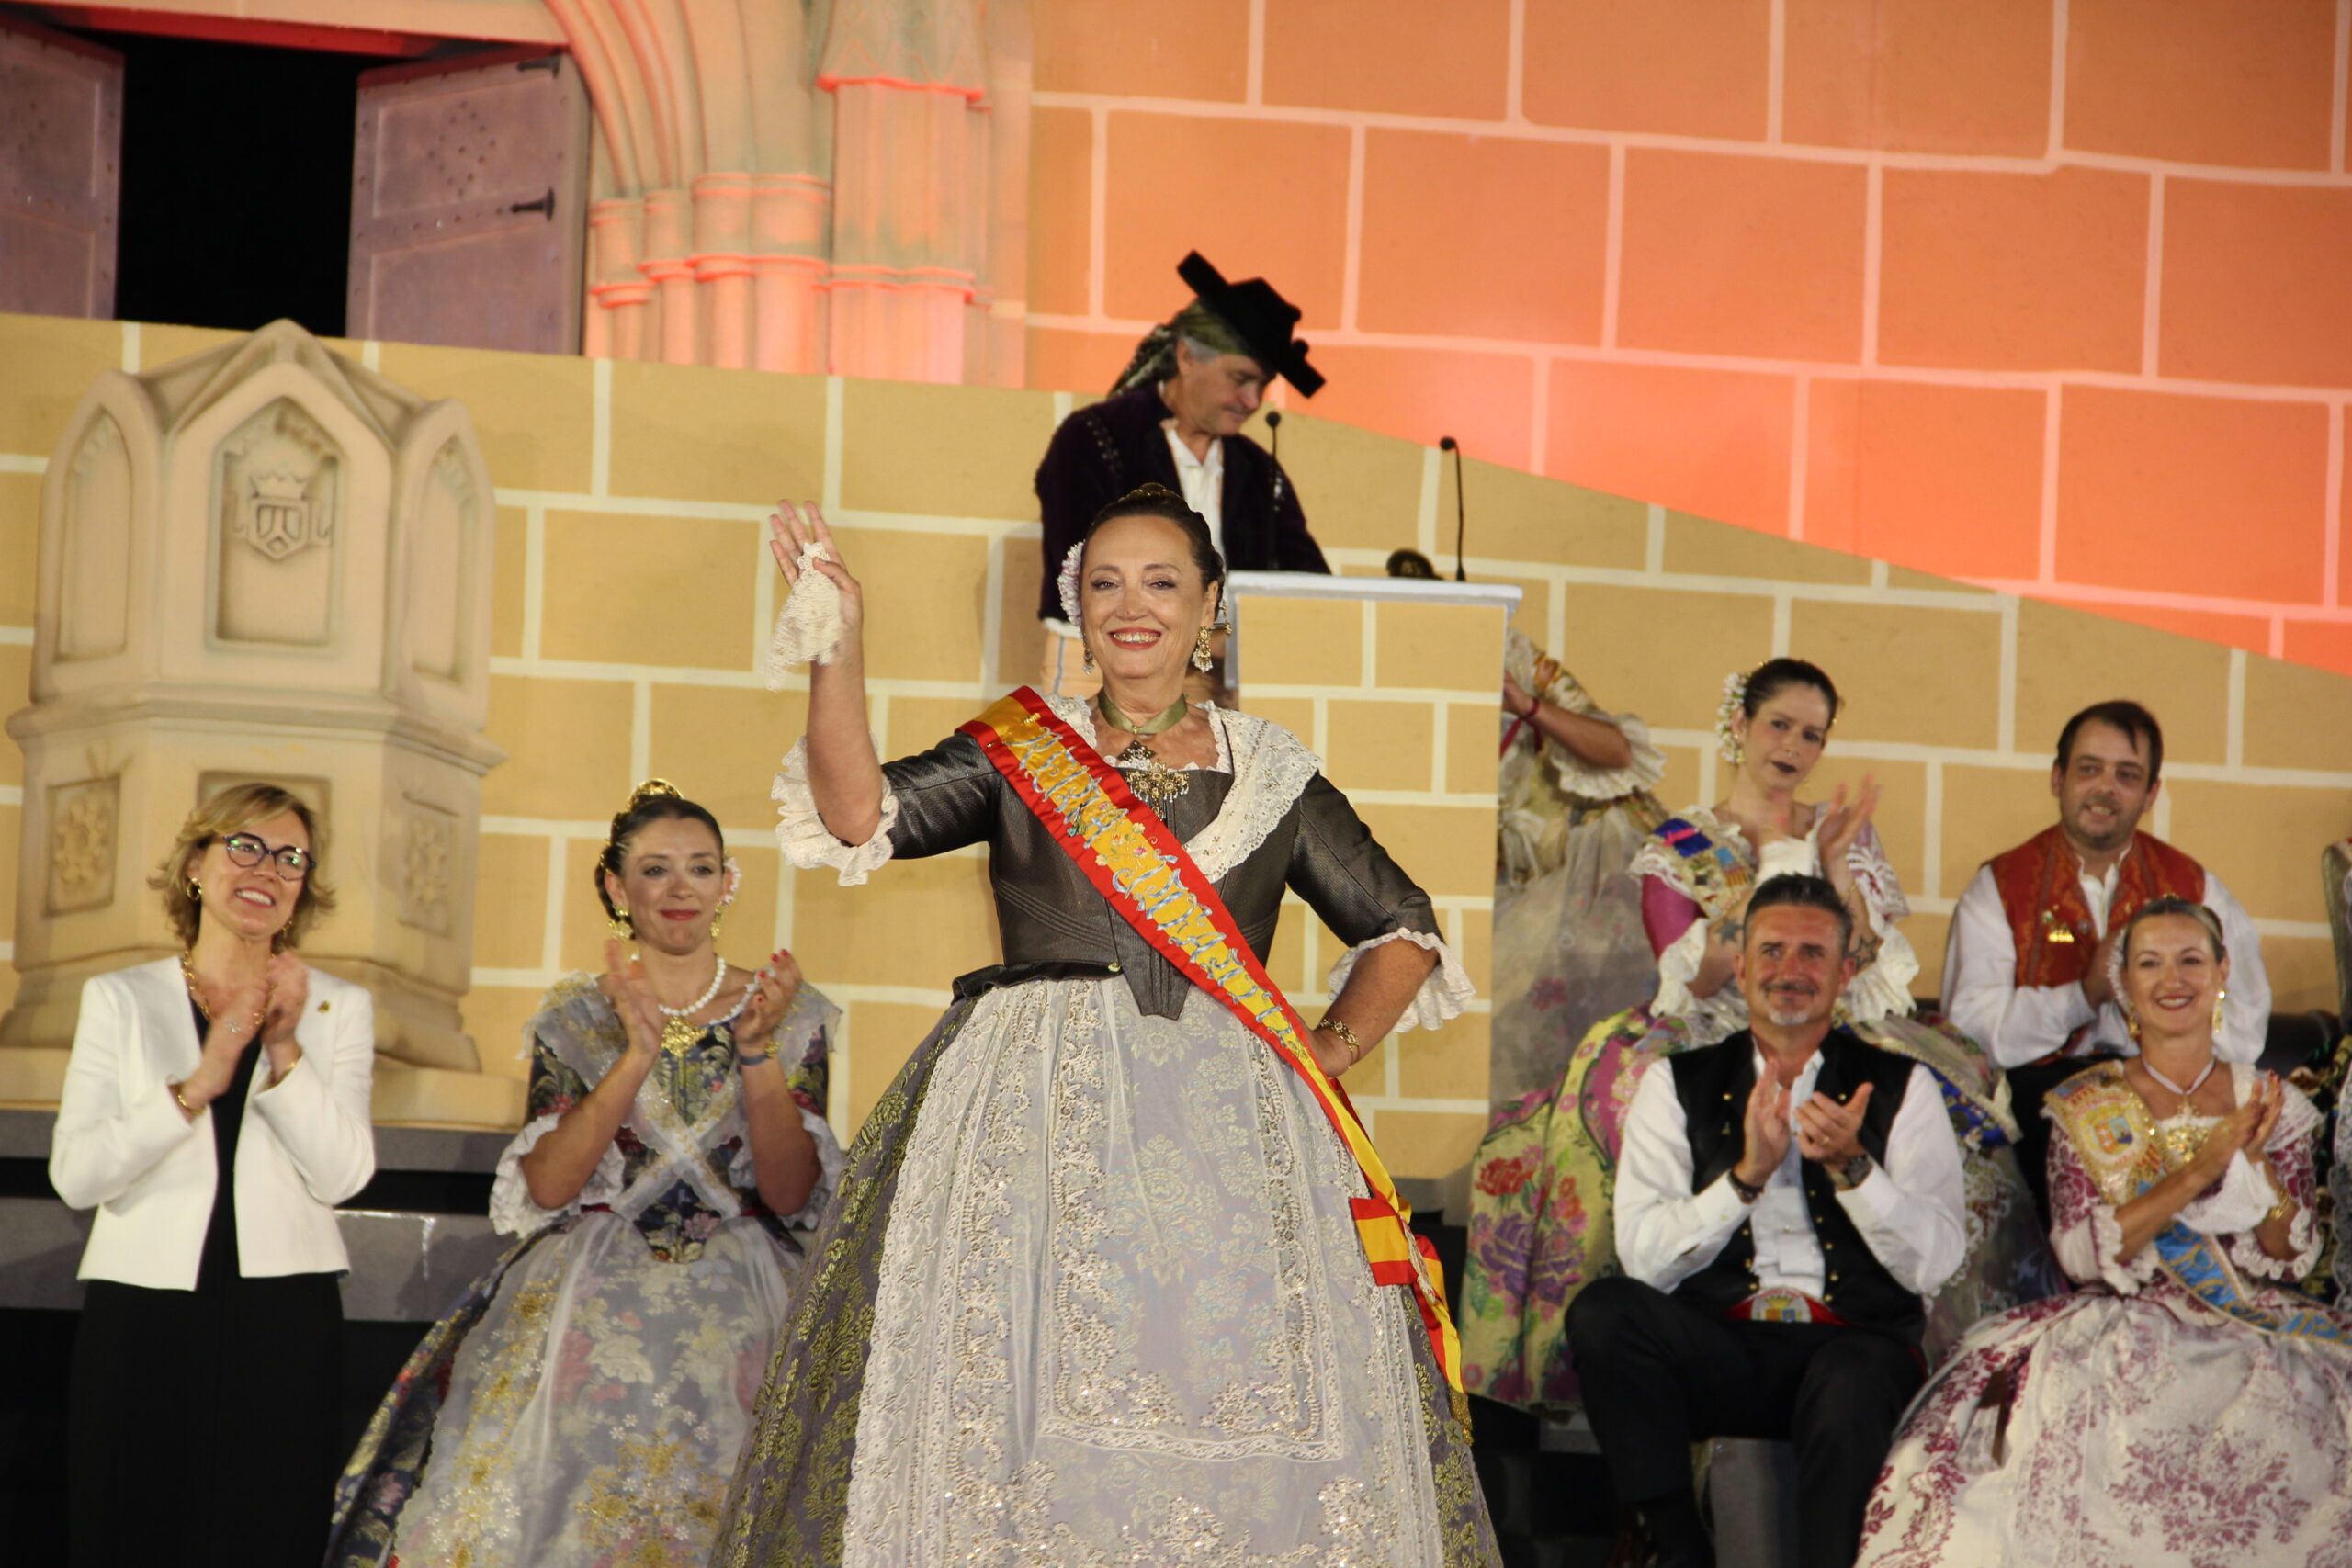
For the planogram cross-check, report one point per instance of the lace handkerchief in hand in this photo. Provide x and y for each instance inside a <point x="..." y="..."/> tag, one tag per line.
<point x="808" y="626"/>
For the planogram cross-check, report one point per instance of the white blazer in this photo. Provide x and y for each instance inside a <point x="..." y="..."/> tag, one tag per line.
<point x="122" y="1143"/>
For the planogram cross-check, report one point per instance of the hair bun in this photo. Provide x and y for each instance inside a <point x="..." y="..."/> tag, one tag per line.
<point x="649" y="790"/>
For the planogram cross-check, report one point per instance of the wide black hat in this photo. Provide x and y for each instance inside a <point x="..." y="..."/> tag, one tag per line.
<point x="1262" y="318"/>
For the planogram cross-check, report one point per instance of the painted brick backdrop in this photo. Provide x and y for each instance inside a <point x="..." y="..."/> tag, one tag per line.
<point x="2047" y="295"/>
<point x="632" y="596"/>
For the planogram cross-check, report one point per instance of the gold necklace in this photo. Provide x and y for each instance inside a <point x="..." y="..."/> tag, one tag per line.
<point x="1166" y="718"/>
<point x="188" y="972"/>
<point x="679" y="1032"/>
<point x="1155" y="782"/>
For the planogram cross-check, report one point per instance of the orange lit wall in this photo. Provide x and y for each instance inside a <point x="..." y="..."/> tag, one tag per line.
<point x="2055" y="296"/>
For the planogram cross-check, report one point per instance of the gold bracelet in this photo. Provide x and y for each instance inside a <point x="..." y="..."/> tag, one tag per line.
<point x="2283" y="1209"/>
<point x="1347" y="1037"/>
<point x="190" y="1112"/>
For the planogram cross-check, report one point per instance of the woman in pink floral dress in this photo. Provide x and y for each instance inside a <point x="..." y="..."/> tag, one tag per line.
<point x="2184" y="1407"/>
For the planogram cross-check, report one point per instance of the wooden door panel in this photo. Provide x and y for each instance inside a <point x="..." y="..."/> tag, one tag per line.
<point x="60" y="161"/>
<point x="468" y="209"/>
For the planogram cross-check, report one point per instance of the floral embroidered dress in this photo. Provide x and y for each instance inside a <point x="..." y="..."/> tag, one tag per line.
<point x="1568" y="948"/>
<point x="2185" y="1409"/>
<point x="585" y="1403"/>
<point x="1541" y="1226"/>
<point x="1094" y="1294"/>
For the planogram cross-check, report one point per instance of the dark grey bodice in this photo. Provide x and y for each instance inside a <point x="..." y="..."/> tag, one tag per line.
<point x="1052" y="920"/>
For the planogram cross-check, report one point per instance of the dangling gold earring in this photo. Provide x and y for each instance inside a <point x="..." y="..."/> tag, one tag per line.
<point x="2218" y="997"/>
<point x="1086" y="654"/>
<point x="717" y="921"/>
<point x="622" y="930"/>
<point x="1202" y="658"/>
<point x="2131" y="1024"/>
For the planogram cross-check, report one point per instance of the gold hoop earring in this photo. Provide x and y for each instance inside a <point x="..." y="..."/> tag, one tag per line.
<point x="196" y="889"/>
<point x="1202" y="658"/>
<point x="622" y="930"/>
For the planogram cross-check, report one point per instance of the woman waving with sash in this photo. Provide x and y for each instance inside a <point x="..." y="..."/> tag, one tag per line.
<point x="2188" y="1405"/>
<point x="1115" y="1276"/>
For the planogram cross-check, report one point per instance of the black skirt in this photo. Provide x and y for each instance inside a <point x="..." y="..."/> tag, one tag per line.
<point x="202" y="1425"/>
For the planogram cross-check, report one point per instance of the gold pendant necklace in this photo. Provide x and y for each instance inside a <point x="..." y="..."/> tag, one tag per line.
<point x="1155" y="782"/>
<point x="679" y="1032"/>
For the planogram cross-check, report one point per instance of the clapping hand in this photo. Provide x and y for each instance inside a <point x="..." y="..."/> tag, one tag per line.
<point x="1829" y="1134"/>
<point x="287" y="987"/>
<point x="2245" y="1130"/>
<point x="772" y="991"/>
<point x="640" y="1011"/>
<point x="1767" y="1143"/>
<point x="1842" y="822"/>
<point x="792" y="528"/>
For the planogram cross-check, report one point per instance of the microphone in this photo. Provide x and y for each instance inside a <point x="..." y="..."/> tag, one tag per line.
<point x="1460" y="520"/>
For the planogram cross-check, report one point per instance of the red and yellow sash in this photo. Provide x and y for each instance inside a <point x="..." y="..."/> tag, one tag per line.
<point x="1129" y="855"/>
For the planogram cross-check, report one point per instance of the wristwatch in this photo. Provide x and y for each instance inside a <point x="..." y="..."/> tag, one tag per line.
<point x="1741" y="1189"/>
<point x="1853" y="1173"/>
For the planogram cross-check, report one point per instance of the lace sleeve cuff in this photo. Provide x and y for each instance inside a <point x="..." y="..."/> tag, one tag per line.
<point x="512" y="1211"/>
<point x="1677" y="966"/>
<point x="1446" y="992"/>
<point x="2246" y="1249"/>
<point x="2124" y="1275"/>
<point x="1579" y="778"/>
<point x="801" y="833"/>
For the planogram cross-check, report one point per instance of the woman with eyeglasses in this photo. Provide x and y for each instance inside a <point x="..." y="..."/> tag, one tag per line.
<point x="215" y="1110"/>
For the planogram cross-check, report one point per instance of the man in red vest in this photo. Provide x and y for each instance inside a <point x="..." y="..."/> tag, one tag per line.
<point x="2026" y="973"/>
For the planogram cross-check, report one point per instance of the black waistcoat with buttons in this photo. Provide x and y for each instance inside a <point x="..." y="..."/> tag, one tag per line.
<point x="1714" y="1085"/>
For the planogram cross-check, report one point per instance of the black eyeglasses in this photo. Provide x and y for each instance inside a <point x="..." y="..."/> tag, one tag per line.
<point x="245" y="849"/>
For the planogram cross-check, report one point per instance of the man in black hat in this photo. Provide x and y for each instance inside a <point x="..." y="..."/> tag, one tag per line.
<point x="1175" y="417"/>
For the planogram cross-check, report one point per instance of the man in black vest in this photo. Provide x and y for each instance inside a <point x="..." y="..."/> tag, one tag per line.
<point x="1784" y="1200"/>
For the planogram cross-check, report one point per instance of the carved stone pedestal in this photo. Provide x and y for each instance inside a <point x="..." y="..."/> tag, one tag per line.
<point x="261" y="562"/>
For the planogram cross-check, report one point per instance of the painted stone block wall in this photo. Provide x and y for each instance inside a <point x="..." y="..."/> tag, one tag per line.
<point x="1400" y="701"/>
<point x="630" y="598"/>
<point x="2047" y="295"/>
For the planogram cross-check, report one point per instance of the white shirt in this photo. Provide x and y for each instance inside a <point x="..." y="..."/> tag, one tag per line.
<point x="1908" y="1210"/>
<point x="1202" y="481"/>
<point x="2021" y="1024"/>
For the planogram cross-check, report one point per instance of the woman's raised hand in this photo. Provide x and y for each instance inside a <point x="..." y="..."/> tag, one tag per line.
<point x="792" y="526"/>
<point x="634" y="1000"/>
<point x="1842" y="822"/>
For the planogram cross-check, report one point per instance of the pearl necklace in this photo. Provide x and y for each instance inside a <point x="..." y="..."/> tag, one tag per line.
<point x="678" y="1033"/>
